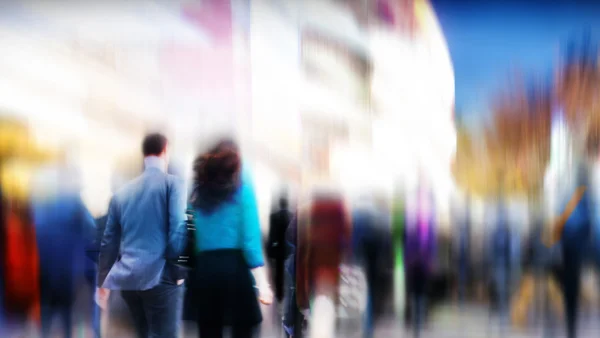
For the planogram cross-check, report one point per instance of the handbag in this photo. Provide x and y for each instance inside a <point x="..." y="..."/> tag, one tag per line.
<point x="187" y="259"/>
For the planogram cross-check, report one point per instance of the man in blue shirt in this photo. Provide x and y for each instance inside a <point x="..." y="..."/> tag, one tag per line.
<point x="145" y="231"/>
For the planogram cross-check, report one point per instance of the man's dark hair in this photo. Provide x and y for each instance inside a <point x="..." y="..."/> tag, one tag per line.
<point x="154" y="144"/>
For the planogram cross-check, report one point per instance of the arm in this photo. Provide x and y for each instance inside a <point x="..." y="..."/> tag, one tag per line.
<point x="100" y="227"/>
<point x="559" y="225"/>
<point x="111" y="241"/>
<point x="177" y="230"/>
<point x="271" y="239"/>
<point x="89" y="236"/>
<point x="252" y="243"/>
<point x="251" y="234"/>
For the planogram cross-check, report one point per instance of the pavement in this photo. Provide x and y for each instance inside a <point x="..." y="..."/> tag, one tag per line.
<point x="445" y="321"/>
<point x="451" y="322"/>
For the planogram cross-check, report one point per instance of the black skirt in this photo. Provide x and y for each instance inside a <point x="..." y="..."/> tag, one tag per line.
<point x="221" y="290"/>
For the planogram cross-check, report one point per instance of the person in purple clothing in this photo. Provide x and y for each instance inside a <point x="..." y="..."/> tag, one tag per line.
<point x="419" y="254"/>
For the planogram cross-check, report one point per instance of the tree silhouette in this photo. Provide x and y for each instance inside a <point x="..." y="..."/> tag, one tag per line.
<point x="517" y="142"/>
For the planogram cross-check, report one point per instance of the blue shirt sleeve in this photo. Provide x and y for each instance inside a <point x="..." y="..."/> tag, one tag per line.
<point x="110" y="245"/>
<point x="251" y="233"/>
<point x="176" y="218"/>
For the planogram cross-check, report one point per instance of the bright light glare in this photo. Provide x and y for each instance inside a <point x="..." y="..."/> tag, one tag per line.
<point x="323" y="318"/>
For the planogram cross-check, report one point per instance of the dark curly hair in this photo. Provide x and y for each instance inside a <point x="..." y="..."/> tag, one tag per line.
<point x="216" y="175"/>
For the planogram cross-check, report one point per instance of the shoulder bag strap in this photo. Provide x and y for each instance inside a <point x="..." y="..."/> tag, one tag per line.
<point x="559" y="224"/>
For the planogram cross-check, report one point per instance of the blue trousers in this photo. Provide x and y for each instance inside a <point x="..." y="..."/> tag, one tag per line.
<point x="156" y="312"/>
<point x="57" y="296"/>
<point x="292" y="317"/>
<point x="95" y="309"/>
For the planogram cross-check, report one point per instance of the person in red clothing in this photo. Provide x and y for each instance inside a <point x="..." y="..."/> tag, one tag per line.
<point x="323" y="236"/>
<point x="20" y="265"/>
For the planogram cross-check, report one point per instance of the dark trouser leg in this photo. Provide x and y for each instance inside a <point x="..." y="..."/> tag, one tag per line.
<point x="571" y="277"/>
<point x="96" y="314"/>
<point x="371" y="275"/>
<point x="243" y="332"/>
<point x="409" y="294"/>
<point x="279" y="279"/>
<point x="95" y="309"/>
<point x="136" y="307"/>
<point x="571" y="297"/>
<point x="47" y="313"/>
<point x="292" y="317"/>
<point x="210" y="331"/>
<point x="163" y="305"/>
<point x="418" y="313"/>
<point x="56" y="302"/>
<point x="419" y="280"/>
<point x="462" y="281"/>
<point x="504" y="299"/>
<point x="47" y="307"/>
<point x="66" y="313"/>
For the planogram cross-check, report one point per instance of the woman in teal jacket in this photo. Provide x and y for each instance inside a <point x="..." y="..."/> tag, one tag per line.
<point x="229" y="246"/>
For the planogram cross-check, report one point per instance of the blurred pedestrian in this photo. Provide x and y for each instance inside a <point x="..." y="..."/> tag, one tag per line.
<point x="293" y="318"/>
<point x="323" y="242"/>
<point x="276" y="249"/>
<point x="419" y="257"/>
<point x="229" y="246"/>
<point x="500" y="259"/>
<point x="369" y="221"/>
<point x="572" y="230"/>
<point x="65" y="232"/>
<point x="145" y="232"/>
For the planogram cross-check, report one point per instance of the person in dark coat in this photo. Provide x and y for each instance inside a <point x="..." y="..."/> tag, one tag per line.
<point x="369" y="222"/>
<point x="65" y="231"/>
<point x="276" y="248"/>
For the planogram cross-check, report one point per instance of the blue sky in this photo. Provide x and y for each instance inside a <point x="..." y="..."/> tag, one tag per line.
<point x="490" y="39"/>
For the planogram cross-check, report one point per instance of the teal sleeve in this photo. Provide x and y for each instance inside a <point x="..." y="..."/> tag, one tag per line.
<point x="251" y="243"/>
